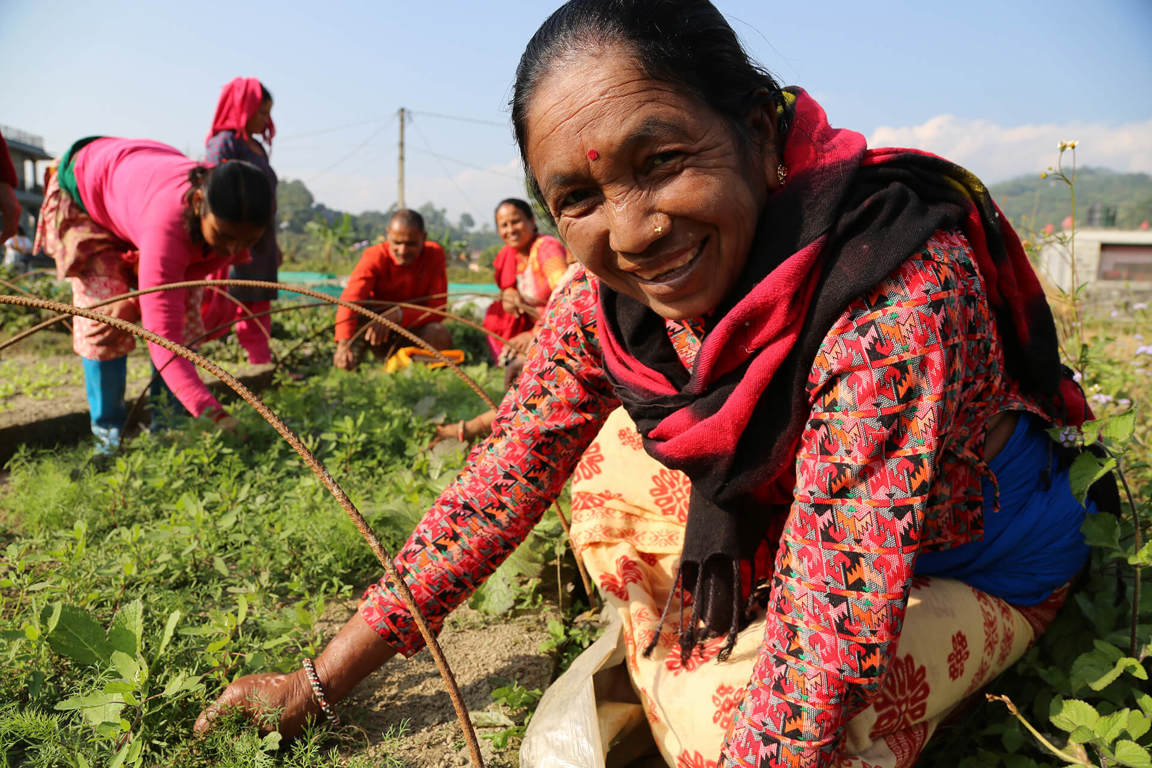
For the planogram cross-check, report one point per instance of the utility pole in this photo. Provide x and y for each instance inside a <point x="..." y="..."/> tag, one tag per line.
<point x="400" y="175"/>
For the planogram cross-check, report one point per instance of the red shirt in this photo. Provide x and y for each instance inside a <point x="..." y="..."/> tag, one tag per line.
<point x="379" y="278"/>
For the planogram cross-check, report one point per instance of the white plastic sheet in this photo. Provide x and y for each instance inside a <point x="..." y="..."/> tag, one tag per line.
<point x="565" y="731"/>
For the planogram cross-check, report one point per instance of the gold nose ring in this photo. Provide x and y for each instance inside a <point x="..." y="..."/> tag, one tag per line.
<point x="659" y="230"/>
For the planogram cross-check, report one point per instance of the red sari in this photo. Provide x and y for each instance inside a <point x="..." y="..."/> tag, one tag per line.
<point x="535" y="276"/>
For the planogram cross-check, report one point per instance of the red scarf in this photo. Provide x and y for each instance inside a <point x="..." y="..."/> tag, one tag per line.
<point x="239" y="100"/>
<point x="847" y="217"/>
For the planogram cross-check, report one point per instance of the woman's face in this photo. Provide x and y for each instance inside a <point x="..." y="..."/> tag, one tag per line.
<point x="652" y="190"/>
<point x="223" y="236"/>
<point x="516" y="229"/>
<point x="258" y="123"/>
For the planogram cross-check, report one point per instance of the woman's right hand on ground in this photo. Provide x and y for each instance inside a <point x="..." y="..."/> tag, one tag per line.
<point x="353" y="654"/>
<point x="261" y="696"/>
<point x="446" y="432"/>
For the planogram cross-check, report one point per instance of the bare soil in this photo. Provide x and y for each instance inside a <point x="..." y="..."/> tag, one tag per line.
<point x="408" y="695"/>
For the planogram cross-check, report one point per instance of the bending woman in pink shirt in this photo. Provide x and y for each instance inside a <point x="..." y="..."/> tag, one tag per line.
<point x="121" y="214"/>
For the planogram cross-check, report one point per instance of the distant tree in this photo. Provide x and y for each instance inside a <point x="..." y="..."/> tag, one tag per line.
<point x="435" y="219"/>
<point x="1031" y="202"/>
<point x="488" y="256"/>
<point x="466" y="222"/>
<point x="330" y="215"/>
<point x="294" y="205"/>
<point x="336" y="239"/>
<point x="372" y="225"/>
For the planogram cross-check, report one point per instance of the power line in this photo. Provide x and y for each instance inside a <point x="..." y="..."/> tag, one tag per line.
<point x="466" y="164"/>
<point x="458" y="118"/>
<point x="447" y="173"/>
<point x="355" y="149"/>
<point x="322" y="131"/>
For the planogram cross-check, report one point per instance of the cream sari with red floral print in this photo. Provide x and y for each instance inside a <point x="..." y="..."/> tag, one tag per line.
<point x="628" y="516"/>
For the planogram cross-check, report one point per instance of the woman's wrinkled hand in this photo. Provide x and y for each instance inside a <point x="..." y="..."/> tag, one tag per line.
<point x="261" y="697"/>
<point x="446" y="432"/>
<point x="229" y="423"/>
<point x="520" y="342"/>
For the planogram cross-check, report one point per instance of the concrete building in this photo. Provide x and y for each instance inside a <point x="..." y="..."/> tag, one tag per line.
<point x="1111" y="264"/>
<point x="28" y="156"/>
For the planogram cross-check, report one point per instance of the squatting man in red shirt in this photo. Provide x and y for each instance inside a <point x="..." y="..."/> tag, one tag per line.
<point x="405" y="268"/>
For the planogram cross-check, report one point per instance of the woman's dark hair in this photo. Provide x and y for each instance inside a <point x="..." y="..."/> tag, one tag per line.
<point x="518" y="204"/>
<point x="235" y="191"/>
<point x="686" y="43"/>
<point x="265" y="94"/>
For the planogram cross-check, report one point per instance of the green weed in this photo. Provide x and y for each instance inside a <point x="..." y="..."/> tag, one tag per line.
<point x="131" y="594"/>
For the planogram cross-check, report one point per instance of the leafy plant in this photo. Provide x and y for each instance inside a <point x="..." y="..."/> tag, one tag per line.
<point x="568" y="640"/>
<point x="1079" y="695"/>
<point x="131" y="593"/>
<point x="518" y="702"/>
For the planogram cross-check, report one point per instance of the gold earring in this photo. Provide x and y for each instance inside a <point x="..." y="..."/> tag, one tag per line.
<point x="781" y="173"/>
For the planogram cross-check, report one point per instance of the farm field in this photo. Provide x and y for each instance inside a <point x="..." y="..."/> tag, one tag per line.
<point x="132" y="591"/>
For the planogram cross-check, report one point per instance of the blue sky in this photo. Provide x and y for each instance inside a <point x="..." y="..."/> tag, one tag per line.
<point x="992" y="85"/>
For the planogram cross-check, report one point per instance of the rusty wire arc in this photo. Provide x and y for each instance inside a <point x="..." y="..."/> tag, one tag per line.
<point x="266" y="284"/>
<point x="282" y="286"/>
<point x="249" y="315"/>
<point x="317" y="468"/>
<point x="13" y="287"/>
<point x="280" y="359"/>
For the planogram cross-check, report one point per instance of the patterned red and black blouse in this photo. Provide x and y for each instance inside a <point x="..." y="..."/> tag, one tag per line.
<point x="900" y="393"/>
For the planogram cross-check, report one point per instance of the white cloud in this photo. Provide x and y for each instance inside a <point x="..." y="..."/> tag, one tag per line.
<point x="994" y="152"/>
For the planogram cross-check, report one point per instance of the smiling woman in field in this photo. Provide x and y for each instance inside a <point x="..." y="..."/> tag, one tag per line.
<point x="835" y="365"/>
<point x="528" y="269"/>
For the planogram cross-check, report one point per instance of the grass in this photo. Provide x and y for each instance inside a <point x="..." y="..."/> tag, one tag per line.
<point x="217" y="556"/>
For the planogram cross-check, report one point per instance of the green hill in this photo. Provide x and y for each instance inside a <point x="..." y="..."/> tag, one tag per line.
<point x="1031" y="202"/>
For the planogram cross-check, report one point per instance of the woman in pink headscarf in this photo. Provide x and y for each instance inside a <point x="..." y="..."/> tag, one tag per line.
<point x="243" y="113"/>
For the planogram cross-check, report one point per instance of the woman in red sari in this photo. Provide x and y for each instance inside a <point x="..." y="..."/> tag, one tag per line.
<point x="528" y="268"/>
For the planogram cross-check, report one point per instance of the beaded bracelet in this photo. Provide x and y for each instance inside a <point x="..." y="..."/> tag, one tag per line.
<point x="318" y="691"/>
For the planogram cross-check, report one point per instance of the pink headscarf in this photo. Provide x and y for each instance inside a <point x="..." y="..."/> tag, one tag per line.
<point x="239" y="100"/>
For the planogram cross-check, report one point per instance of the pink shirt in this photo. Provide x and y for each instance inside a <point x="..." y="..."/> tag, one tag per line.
<point x="135" y="189"/>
